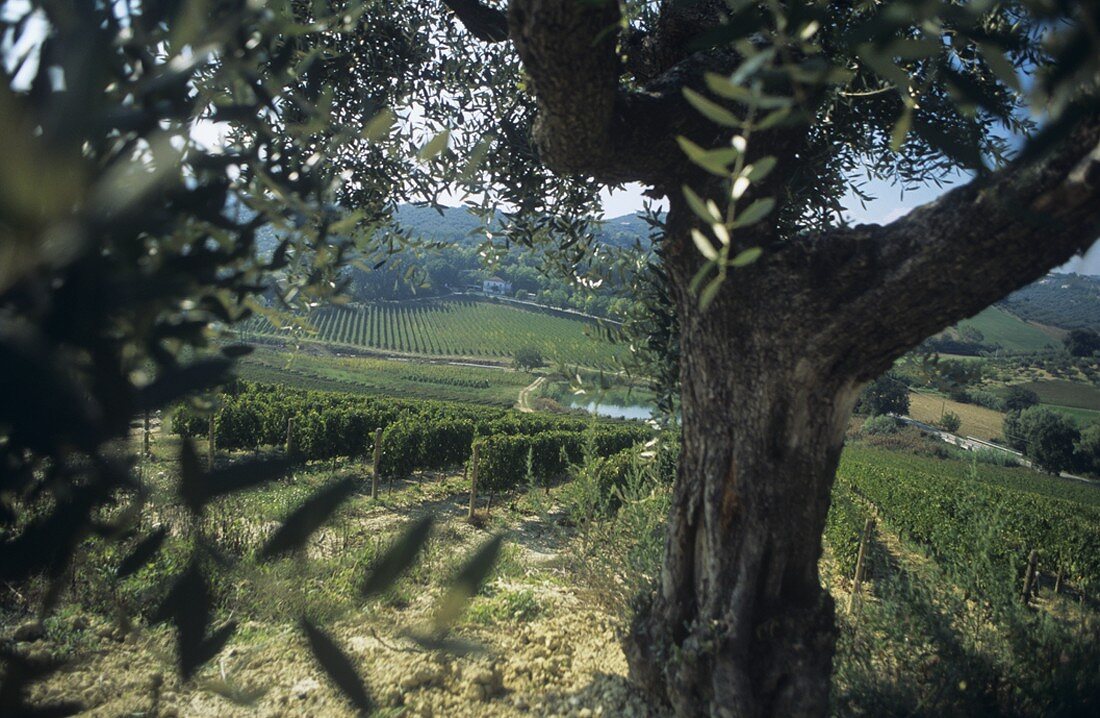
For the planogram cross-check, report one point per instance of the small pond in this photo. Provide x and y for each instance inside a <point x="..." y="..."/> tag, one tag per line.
<point x="615" y="411"/>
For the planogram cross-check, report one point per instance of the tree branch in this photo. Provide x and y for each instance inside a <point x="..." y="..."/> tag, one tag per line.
<point x="568" y="49"/>
<point x="953" y="257"/>
<point x="485" y="23"/>
<point x="590" y="124"/>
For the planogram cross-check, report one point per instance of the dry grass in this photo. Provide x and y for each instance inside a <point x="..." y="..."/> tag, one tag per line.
<point x="976" y="420"/>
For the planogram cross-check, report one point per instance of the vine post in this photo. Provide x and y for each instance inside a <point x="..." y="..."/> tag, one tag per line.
<point x="146" y="440"/>
<point x="291" y="445"/>
<point x="857" y="581"/>
<point x="1029" y="575"/>
<point x="377" y="463"/>
<point x="211" y="446"/>
<point x="473" y="482"/>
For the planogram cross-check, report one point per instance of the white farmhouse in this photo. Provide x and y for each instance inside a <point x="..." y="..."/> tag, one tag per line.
<point x="496" y="285"/>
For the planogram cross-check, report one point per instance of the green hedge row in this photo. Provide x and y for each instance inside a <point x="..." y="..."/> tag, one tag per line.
<point x="503" y="460"/>
<point x="416" y="434"/>
<point x="410" y="444"/>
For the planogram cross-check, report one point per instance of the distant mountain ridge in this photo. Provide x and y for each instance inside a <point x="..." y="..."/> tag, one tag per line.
<point x="1063" y="301"/>
<point x="457" y="225"/>
<point x="1066" y="301"/>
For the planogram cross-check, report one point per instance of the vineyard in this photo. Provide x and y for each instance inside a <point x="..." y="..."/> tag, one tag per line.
<point x="951" y="508"/>
<point x="313" y="425"/>
<point x="448" y="328"/>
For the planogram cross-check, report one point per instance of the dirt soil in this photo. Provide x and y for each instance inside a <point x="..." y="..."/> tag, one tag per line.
<point x="565" y="661"/>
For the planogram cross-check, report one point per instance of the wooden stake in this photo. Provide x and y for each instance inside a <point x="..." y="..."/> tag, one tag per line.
<point x="1029" y="575"/>
<point x="291" y="445"/>
<point x="473" y="482"/>
<point x="377" y="462"/>
<point x="210" y="447"/>
<point x="146" y="438"/>
<point x="857" y="581"/>
<point x="1058" y="581"/>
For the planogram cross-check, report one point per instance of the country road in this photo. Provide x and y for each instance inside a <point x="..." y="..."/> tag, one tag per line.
<point x="524" y="403"/>
<point x="972" y="443"/>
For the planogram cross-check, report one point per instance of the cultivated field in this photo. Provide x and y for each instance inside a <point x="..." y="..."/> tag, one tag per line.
<point x="1012" y="333"/>
<point x="447" y="328"/>
<point x="977" y="421"/>
<point x="1060" y="392"/>
<point x="314" y="367"/>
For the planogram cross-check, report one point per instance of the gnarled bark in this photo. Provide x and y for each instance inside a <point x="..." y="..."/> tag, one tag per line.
<point x="740" y="625"/>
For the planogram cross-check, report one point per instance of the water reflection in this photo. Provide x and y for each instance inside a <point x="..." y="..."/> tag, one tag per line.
<point x="616" y="411"/>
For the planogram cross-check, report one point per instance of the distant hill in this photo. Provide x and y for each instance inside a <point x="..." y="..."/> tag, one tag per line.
<point x="1067" y="301"/>
<point x="453" y="226"/>
<point x="456" y="225"/>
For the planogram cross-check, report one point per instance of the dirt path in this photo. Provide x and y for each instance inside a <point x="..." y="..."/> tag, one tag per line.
<point x="524" y="403"/>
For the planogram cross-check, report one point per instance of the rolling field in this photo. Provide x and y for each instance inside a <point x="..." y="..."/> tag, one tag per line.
<point x="450" y="328"/>
<point x="976" y="420"/>
<point x="1012" y="333"/>
<point x="382" y="377"/>
<point x="1083" y="417"/>
<point x="1080" y="402"/>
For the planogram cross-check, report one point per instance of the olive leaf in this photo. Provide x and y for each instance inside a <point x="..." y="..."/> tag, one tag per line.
<point x="337" y="665"/>
<point x="466" y="583"/>
<point x="307" y="518"/>
<point x="142" y="553"/>
<point x="398" y="559"/>
<point x="200" y="487"/>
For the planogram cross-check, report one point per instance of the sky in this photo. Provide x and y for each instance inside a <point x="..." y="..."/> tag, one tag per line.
<point x="889" y="204"/>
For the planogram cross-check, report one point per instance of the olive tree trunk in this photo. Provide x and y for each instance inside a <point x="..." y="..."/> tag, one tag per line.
<point x="739" y="625"/>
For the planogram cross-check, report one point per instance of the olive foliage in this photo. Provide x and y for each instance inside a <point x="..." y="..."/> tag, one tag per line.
<point x="130" y="244"/>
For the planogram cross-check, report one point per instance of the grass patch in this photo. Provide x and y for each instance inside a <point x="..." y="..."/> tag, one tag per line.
<point x="1012" y="333"/>
<point x="504" y="605"/>
<point x="1083" y="417"/>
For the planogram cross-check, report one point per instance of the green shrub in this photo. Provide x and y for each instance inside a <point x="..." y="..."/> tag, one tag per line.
<point x="950" y="422"/>
<point x="1088" y="450"/>
<point x="879" y="425"/>
<point x="981" y="397"/>
<point x="1017" y="398"/>
<point x="1045" y="436"/>
<point x="888" y="394"/>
